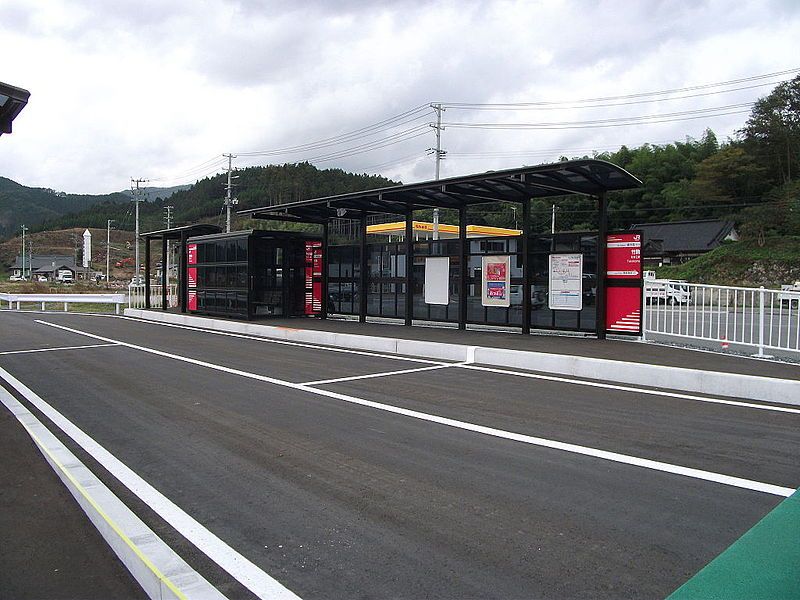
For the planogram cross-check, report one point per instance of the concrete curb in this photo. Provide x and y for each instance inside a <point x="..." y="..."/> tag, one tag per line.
<point x="162" y="574"/>
<point x="768" y="389"/>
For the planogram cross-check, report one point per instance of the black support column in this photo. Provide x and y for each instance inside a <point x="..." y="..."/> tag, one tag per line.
<point x="183" y="284"/>
<point x="602" y="231"/>
<point x="164" y="290"/>
<point x="324" y="308"/>
<point x="526" y="270"/>
<point x="362" y="280"/>
<point x="146" y="272"/>
<point x="464" y="260"/>
<point x="409" y="239"/>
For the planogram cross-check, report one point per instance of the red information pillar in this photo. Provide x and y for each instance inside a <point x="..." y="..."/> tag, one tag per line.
<point x="624" y="282"/>
<point x="191" y="277"/>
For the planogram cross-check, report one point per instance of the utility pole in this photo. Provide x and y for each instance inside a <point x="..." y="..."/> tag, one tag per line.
<point x="168" y="216"/>
<point x="24" y="229"/>
<point x="439" y="156"/>
<point x="168" y="223"/>
<point x="229" y="200"/>
<point x="439" y="128"/>
<point x="108" y="251"/>
<point x="136" y="199"/>
<point x="75" y="244"/>
<point x="553" y="220"/>
<point x="30" y="261"/>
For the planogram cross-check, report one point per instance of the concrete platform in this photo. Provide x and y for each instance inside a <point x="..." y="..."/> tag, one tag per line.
<point x="618" y="360"/>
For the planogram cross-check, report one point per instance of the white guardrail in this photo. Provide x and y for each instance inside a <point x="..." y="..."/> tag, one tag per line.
<point x="66" y="299"/>
<point x="762" y="318"/>
<point x="136" y="295"/>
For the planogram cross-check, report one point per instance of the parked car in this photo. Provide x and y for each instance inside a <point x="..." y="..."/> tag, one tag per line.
<point x="790" y="295"/>
<point x="669" y="291"/>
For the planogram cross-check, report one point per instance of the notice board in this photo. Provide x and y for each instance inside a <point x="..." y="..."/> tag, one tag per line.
<point x="437" y="280"/>
<point x="566" y="282"/>
<point x="495" y="281"/>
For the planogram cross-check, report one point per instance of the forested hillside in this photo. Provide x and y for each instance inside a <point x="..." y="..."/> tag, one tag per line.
<point x="32" y="206"/>
<point x="255" y="186"/>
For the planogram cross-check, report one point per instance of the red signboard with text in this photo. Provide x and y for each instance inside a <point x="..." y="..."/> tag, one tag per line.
<point x="313" y="283"/>
<point x="624" y="256"/>
<point x="624" y="283"/>
<point x="191" y="277"/>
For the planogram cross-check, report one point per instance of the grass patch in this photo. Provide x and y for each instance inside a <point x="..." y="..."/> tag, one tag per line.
<point x="743" y="263"/>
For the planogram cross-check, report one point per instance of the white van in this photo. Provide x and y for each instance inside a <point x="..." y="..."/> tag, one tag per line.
<point x="669" y="291"/>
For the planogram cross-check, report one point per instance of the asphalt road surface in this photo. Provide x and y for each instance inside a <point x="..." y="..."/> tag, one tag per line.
<point x="424" y="480"/>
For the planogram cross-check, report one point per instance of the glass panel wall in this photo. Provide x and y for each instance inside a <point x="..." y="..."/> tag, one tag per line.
<point x="541" y="247"/>
<point x="344" y="271"/>
<point x="222" y="277"/>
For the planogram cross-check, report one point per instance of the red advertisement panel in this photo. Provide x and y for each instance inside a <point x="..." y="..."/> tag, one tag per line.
<point x="192" y="300"/>
<point x="192" y="277"/>
<point x="624" y="309"/>
<point x="191" y="250"/>
<point x="313" y="278"/>
<point x="624" y="256"/>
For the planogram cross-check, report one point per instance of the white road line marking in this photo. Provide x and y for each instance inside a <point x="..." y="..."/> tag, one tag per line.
<point x="59" y="348"/>
<point x="140" y="547"/>
<point x="627" y="388"/>
<point x="374" y="375"/>
<point x="469" y="365"/>
<point x="490" y="431"/>
<point x="239" y="567"/>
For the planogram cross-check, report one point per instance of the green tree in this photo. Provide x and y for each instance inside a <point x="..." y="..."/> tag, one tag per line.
<point x="732" y="175"/>
<point x="772" y="133"/>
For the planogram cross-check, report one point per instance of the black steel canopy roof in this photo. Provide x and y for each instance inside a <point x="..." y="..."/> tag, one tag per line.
<point x="175" y="233"/>
<point x="12" y="101"/>
<point x="589" y="177"/>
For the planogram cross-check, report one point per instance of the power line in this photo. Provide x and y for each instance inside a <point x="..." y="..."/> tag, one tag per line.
<point x="403" y="118"/>
<point x="391" y="140"/>
<point x="614" y="122"/>
<point x="398" y="161"/>
<point x="197" y="172"/>
<point x="578" y="106"/>
<point x="628" y="96"/>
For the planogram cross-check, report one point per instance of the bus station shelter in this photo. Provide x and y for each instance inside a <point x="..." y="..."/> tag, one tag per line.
<point x="164" y="236"/>
<point x="385" y="279"/>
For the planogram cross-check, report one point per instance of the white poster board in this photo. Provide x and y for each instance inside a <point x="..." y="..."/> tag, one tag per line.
<point x="437" y="280"/>
<point x="566" y="282"/>
<point x="496" y="281"/>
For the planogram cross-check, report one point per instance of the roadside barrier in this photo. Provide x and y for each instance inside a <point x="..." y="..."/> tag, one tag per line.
<point x="66" y="299"/>
<point x="757" y="317"/>
<point x="136" y="295"/>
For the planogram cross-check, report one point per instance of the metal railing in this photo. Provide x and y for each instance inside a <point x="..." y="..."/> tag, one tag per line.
<point x="136" y="295"/>
<point x="762" y="318"/>
<point x="65" y="299"/>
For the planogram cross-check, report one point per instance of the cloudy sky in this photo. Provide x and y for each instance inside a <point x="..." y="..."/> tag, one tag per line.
<point x="160" y="89"/>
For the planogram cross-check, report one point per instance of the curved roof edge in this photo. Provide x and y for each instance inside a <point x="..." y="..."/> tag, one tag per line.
<point x="588" y="177"/>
